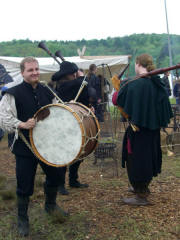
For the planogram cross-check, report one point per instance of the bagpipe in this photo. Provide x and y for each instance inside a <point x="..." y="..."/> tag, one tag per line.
<point x="116" y="82"/>
<point x="43" y="46"/>
<point x="58" y="54"/>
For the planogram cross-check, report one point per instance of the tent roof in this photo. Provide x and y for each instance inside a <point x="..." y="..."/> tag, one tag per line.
<point x="49" y="65"/>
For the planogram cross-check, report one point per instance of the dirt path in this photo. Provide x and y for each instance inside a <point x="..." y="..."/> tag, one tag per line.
<point x="98" y="212"/>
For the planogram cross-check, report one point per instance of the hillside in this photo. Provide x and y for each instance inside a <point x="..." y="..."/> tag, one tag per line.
<point x="154" y="44"/>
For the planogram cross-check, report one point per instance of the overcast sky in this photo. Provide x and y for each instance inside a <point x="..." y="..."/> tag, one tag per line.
<point x="85" y="19"/>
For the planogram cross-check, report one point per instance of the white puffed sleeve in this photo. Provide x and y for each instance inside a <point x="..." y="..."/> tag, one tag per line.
<point x="8" y="114"/>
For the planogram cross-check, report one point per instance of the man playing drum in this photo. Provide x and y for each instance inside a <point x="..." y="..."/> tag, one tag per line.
<point x="17" y="108"/>
<point x="67" y="86"/>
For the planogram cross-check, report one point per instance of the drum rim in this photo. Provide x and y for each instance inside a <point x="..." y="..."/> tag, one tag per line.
<point x="82" y="131"/>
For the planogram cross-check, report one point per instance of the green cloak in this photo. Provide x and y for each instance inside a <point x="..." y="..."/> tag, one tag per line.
<point x="146" y="102"/>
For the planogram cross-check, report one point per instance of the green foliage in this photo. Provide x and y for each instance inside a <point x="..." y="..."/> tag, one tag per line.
<point x="135" y="44"/>
<point x="172" y="100"/>
<point x="7" y="194"/>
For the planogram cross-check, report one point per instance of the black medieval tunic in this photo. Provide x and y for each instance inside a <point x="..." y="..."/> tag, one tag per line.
<point x="68" y="90"/>
<point x="28" y="101"/>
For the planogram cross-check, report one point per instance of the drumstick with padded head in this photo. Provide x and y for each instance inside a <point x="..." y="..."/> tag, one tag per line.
<point x="84" y="83"/>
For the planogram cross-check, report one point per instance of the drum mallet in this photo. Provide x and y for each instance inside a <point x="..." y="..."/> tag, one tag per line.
<point x="84" y="83"/>
<point x="56" y="96"/>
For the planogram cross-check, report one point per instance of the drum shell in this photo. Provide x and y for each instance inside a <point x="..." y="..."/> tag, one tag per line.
<point x="90" y="125"/>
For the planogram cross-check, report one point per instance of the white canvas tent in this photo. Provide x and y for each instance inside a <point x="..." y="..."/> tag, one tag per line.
<point x="48" y="65"/>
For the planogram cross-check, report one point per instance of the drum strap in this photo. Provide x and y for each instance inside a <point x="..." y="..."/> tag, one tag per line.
<point x="26" y="142"/>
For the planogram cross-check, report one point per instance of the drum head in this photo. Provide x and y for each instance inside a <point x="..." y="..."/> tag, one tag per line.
<point x="57" y="139"/>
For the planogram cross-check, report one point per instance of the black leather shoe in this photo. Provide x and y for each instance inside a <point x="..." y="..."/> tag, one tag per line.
<point x="57" y="213"/>
<point x="62" y="190"/>
<point x="78" y="185"/>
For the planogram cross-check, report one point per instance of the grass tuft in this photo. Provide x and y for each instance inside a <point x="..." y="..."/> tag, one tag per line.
<point x="7" y="194"/>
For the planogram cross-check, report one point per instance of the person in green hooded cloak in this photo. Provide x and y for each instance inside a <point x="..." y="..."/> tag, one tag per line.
<point x="147" y="105"/>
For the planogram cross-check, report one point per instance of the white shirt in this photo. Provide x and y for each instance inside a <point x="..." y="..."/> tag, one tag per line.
<point x="8" y="113"/>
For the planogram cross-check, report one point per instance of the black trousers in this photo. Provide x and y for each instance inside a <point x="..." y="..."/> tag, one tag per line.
<point x="25" y="174"/>
<point x="73" y="172"/>
<point x="99" y="112"/>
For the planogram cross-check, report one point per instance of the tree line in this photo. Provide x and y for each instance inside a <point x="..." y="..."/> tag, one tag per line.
<point x="135" y="44"/>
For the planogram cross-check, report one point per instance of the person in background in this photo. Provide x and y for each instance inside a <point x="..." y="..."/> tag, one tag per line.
<point x="80" y="73"/>
<point x="176" y="92"/>
<point x="5" y="78"/>
<point x="67" y="87"/>
<point x="17" y="108"/>
<point x="1" y="134"/>
<point x="95" y="83"/>
<point x="165" y="79"/>
<point x="105" y="89"/>
<point x="141" y="152"/>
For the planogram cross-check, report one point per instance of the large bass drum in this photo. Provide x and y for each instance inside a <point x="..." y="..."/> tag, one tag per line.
<point x="64" y="133"/>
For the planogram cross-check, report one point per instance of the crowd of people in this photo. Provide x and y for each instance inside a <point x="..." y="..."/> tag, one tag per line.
<point x="141" y="153"/>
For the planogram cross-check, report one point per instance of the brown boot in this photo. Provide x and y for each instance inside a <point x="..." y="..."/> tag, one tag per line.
<point x="136" y="201"/>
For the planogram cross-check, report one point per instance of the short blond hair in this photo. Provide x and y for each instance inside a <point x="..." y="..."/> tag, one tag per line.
<point x="27" y="60"/>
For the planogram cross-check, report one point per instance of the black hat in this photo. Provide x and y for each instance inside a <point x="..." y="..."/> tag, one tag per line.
<point x="65" y="69"/>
